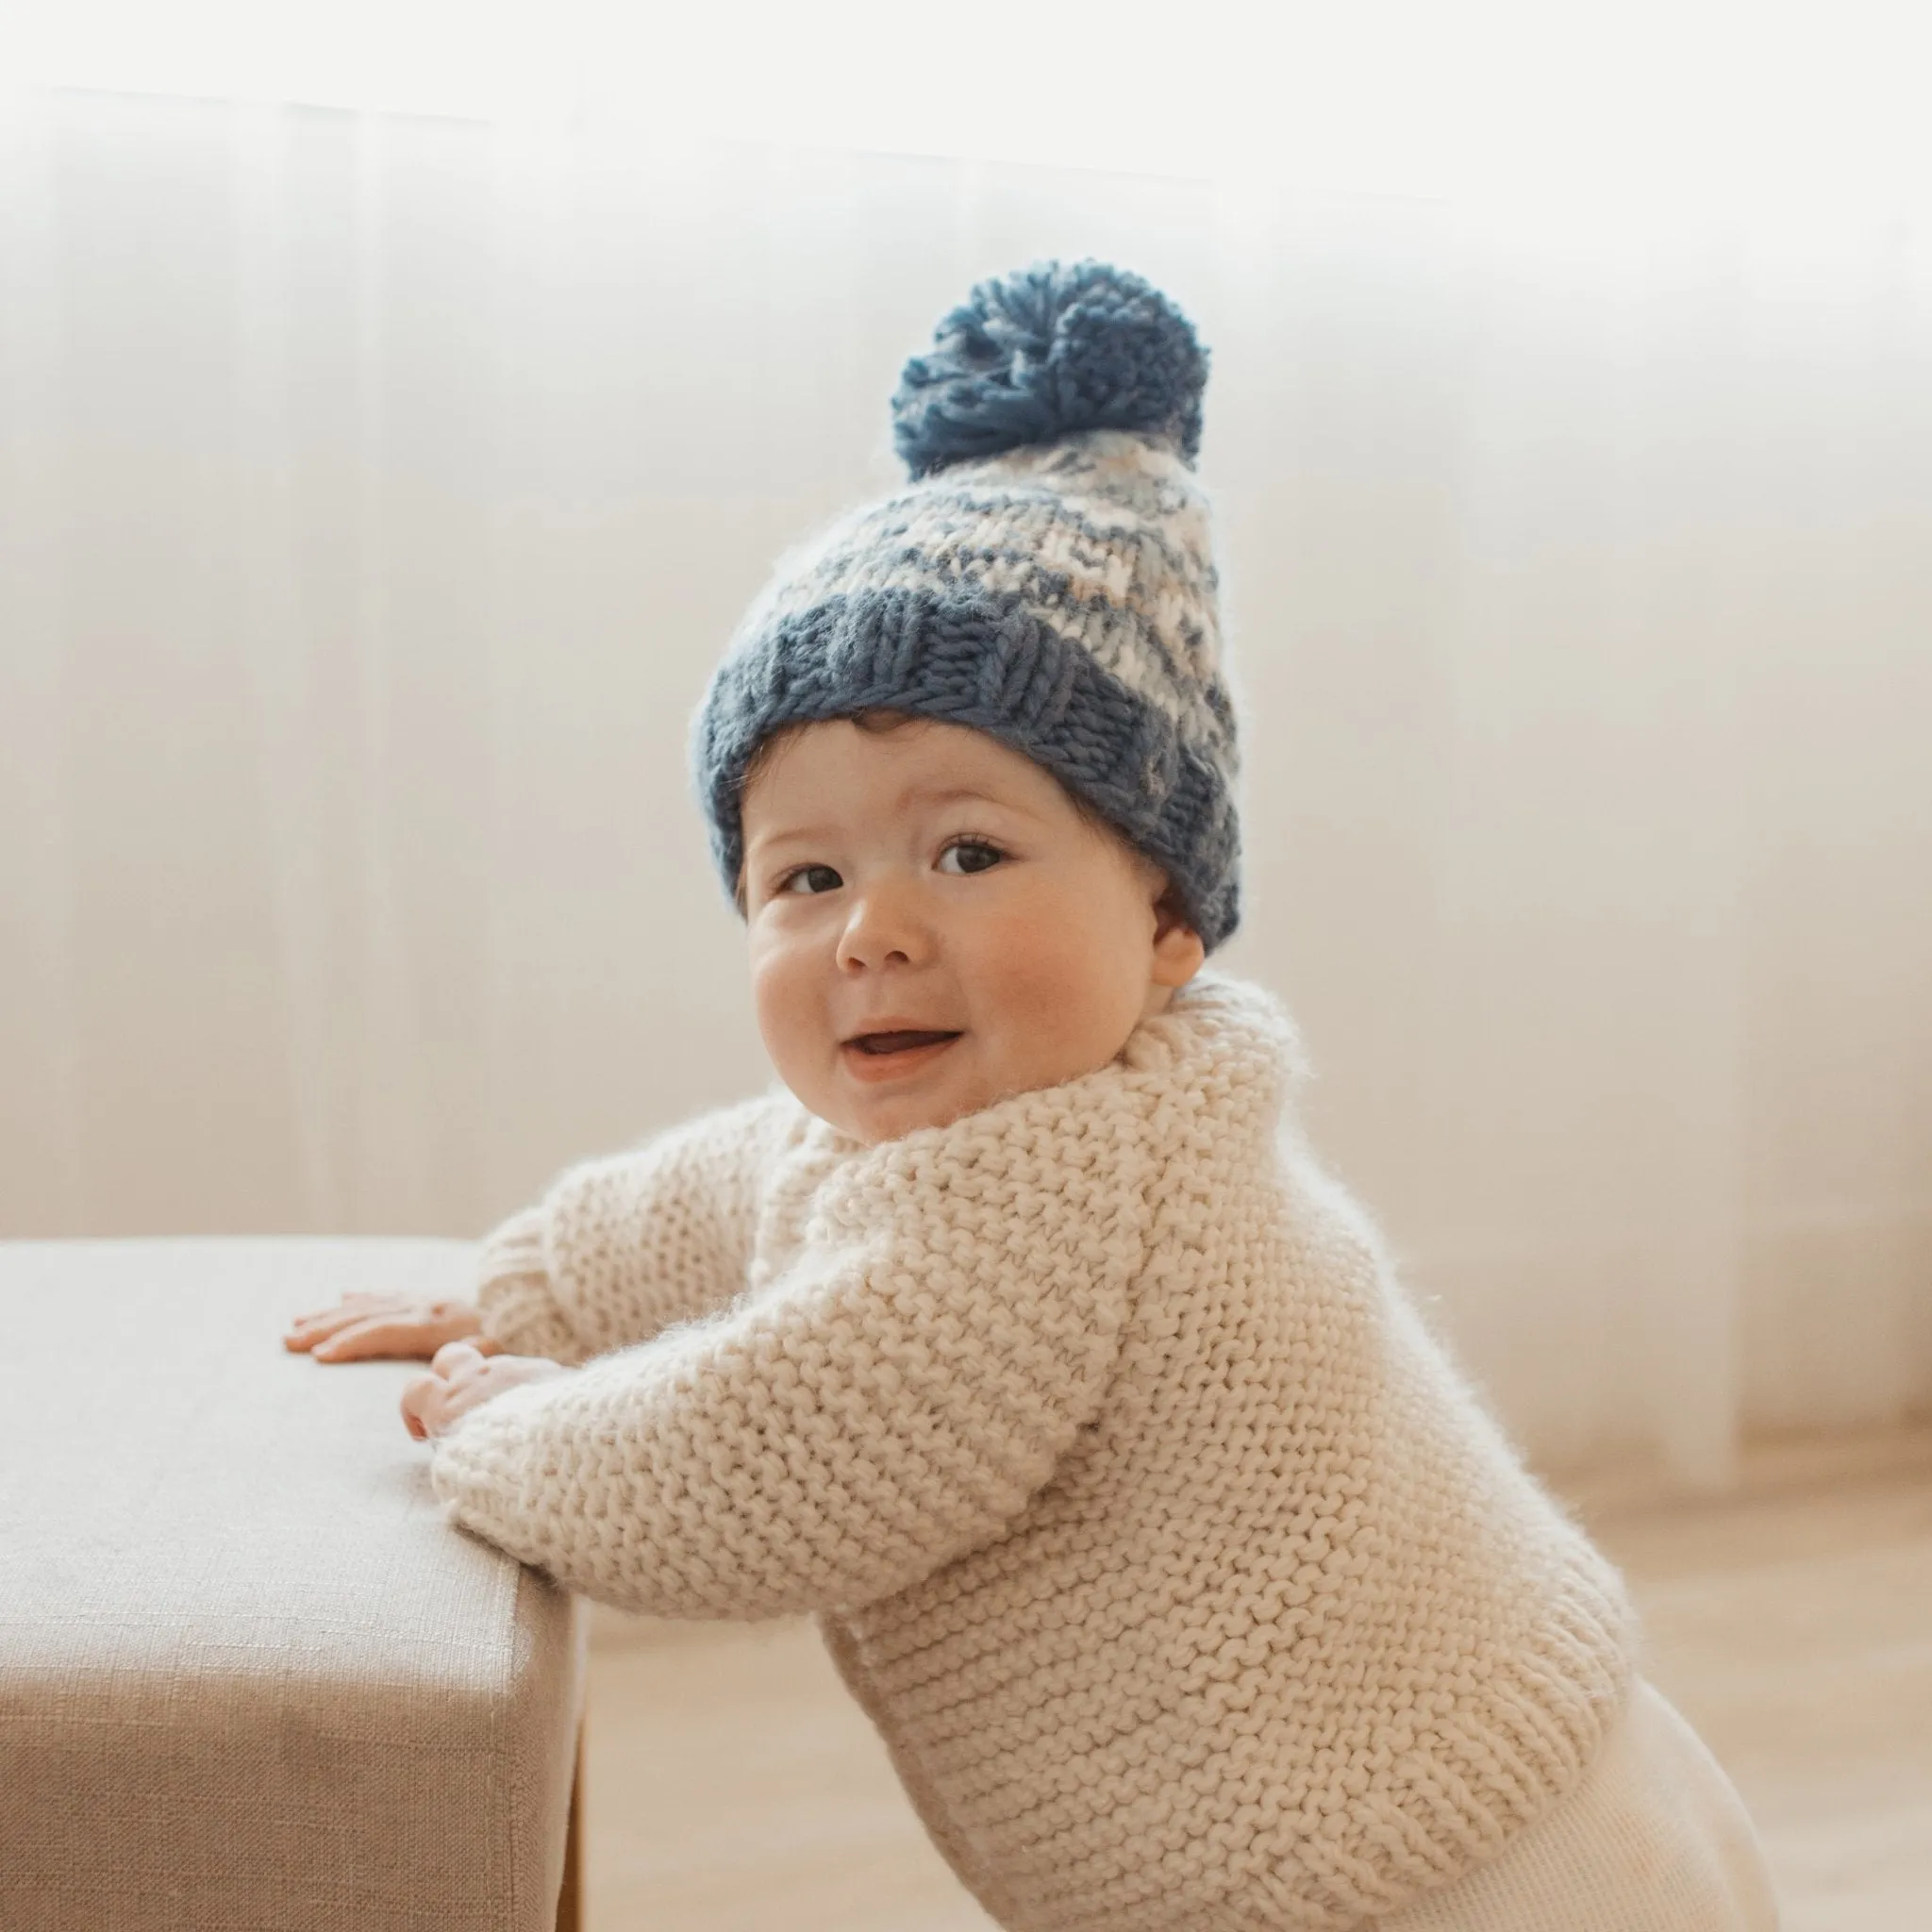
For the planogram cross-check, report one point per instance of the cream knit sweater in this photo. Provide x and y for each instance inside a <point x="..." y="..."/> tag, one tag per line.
<point x="1189" y="1583"/>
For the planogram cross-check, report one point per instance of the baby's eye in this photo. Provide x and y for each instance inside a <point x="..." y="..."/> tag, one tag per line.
<point x="973" y="855"/>
<point x="812" y="879"/>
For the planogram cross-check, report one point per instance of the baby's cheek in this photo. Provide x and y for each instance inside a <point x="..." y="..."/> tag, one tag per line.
<point x="1060" y="990"/>
<point x="783" y="994"/>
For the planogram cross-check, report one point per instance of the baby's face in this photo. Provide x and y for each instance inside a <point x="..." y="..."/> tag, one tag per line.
<point x="933" y="925"/>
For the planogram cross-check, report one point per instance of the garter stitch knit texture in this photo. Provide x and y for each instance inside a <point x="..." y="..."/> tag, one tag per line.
<point x="1190" y="1585"/>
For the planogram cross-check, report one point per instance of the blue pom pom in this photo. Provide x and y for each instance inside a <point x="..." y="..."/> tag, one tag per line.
<point x="1035" y="355"/>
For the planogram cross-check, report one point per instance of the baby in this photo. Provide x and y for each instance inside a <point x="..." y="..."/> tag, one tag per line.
<point x="1017" y="1336"/>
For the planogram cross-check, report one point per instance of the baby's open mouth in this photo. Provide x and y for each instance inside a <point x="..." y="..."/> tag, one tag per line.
<point x="905" y="1041"/>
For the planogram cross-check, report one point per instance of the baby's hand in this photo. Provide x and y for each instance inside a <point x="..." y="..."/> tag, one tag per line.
<point x="459" y="1378"/>
<point x="395" y="1327"/>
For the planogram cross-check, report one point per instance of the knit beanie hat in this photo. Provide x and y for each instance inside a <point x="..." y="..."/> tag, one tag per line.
<point x="1046" y="576"/>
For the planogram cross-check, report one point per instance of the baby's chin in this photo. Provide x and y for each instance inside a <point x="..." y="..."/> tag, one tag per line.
<point x="873" y="1117"/>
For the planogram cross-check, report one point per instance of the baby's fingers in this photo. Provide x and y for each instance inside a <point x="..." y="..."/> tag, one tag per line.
<point x="432" y="1403"/>
<point x="421" y="1396"/>
<point x="305" y="1331"/>
<point x="377" y="1337"/>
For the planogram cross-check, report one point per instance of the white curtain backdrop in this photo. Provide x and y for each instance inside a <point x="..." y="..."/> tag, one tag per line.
<point x="376" y="493"/>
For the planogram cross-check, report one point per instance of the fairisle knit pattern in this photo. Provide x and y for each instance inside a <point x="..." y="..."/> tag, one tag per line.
<point x="1190" y="1585"/>
<point x="1048" y="577"/>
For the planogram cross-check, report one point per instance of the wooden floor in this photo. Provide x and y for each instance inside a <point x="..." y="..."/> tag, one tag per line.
<point x="732" y="1787"/>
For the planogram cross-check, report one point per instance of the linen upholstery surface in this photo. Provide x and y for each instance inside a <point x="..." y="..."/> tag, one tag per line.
<point x="249" y="1675"/>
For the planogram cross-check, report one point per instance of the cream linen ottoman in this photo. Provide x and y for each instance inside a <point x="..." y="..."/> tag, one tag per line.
<point x="249" y="1675"/>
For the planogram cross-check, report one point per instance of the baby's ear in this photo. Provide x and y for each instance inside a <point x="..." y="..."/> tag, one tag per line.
<point x="1178" y="951"/>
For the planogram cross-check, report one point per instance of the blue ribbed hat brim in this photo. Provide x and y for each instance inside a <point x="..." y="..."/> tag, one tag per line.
<point x="986" y="662"/>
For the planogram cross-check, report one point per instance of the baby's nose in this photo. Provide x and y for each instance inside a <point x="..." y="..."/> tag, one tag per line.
<point x="886" y="928"/>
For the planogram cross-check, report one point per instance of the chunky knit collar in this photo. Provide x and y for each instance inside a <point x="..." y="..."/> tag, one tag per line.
<point x="1217" y="1018"/>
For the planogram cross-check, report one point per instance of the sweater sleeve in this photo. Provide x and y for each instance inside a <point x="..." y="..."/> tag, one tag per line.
<point x="629" y="1243"/>
<point x="513" y="1292"/>
<point x="890" y="1402"/>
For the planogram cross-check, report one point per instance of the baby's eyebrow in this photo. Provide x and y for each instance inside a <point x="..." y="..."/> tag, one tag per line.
<point x="953" y="795"/>
<point x="914" y="796"/>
